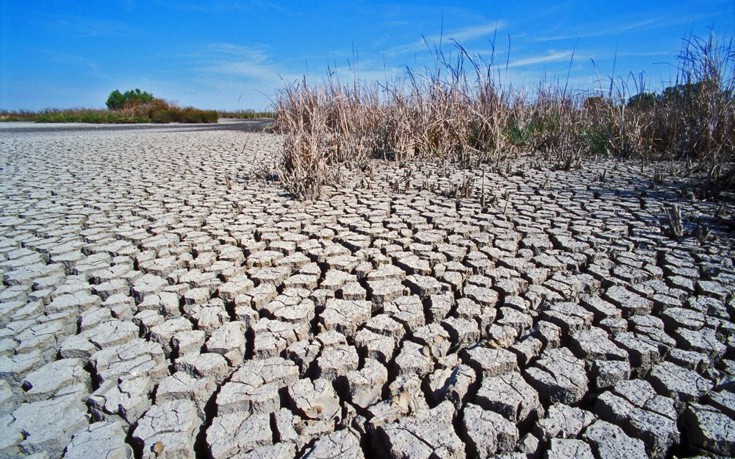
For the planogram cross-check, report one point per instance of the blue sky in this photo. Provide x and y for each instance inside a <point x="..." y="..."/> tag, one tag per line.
<point x="229" y="54"/>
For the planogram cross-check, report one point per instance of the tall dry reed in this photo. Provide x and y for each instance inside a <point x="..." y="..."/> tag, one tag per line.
<point x="459" y="111"/>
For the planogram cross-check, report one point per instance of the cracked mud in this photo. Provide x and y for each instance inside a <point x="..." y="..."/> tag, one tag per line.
<point x="160" y="301"/>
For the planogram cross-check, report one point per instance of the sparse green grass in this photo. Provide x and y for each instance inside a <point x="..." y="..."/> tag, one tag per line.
<point x="458" y="111"/>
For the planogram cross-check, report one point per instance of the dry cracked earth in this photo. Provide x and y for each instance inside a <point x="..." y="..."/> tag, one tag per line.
<point x="158" y="301"/>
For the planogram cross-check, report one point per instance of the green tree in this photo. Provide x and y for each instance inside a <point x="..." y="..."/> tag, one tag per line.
<point x="643" y="101"/>
<point x="118" y="100"/>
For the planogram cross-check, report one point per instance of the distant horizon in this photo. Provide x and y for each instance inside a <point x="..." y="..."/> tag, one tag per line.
<point x="233" y="55"/>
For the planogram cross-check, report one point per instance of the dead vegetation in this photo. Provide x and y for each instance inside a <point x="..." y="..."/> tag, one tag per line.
<point x="459" y="112"/>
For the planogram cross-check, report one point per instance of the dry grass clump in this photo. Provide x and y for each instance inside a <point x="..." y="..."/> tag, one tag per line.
<point x="439" y="115"/>
<point x="696" y="117"/>
<point x="458" y="111"/>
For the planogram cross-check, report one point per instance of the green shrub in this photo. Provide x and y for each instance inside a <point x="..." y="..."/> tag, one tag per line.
<point x="161" y="115"/>
<point x="133" y="97"/>
<point x="245" y="114"/>
<point x="193" y="115"/>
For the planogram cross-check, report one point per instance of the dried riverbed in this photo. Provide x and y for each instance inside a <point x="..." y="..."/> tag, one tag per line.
<point x="158" y="301"/>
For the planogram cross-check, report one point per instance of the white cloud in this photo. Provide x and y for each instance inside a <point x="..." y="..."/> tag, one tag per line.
<point x="465" y="34"/>
<point x="233" y="60"/>
<point x="233" y="76"/>
<point x="472" y="32"/>
<point x="549" y="56"/>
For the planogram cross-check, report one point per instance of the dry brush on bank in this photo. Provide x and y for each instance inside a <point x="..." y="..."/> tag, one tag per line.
<point x="460" y="111"/>
<point x="133" y="106"/>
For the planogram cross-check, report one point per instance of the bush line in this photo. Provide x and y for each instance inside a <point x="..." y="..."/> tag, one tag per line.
<point x="155" y="111"/>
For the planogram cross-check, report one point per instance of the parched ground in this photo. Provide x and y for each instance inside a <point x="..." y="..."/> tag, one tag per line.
<point x="160" y="301"/>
